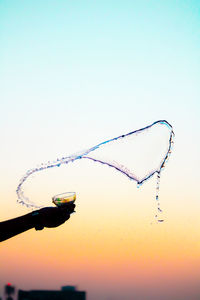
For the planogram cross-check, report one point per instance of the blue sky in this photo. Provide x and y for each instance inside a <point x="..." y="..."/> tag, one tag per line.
<point x="84" y="72"/>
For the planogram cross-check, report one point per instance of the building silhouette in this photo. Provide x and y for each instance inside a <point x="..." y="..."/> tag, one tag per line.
<point x="9" y="290"/>
<point x="66" y="293"/>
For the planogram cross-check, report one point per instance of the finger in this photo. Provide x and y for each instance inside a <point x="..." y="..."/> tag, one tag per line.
<point x="68" y="208"/>
<point x="69" y="204"/>
<point x="64" y="212"/>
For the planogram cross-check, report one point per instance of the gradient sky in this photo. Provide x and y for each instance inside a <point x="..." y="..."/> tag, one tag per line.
<point x="73" y="74"/>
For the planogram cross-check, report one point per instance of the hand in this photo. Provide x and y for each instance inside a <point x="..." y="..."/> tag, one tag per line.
<point x="54" y="216"/>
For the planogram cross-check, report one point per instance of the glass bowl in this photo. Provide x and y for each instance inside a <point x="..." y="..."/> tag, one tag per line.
<point x="64" y="198"/>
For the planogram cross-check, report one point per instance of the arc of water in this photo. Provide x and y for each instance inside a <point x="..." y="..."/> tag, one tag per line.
<point x="85" y="154"/>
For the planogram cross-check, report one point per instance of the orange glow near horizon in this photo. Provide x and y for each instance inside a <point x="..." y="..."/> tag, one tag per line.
<point x="91" y="256"/>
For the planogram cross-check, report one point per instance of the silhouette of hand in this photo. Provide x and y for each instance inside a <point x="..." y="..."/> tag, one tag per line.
<point x="53" y="216"/>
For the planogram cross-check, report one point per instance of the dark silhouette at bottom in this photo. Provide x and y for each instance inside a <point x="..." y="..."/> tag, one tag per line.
<point x="9" y="290"/>
<point x="66" y="293"/>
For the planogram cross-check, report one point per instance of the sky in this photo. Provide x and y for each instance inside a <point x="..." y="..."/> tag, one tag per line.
<point x="76" y="73"/>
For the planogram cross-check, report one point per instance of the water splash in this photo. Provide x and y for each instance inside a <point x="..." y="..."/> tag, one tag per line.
<point x="95" y="154"/>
